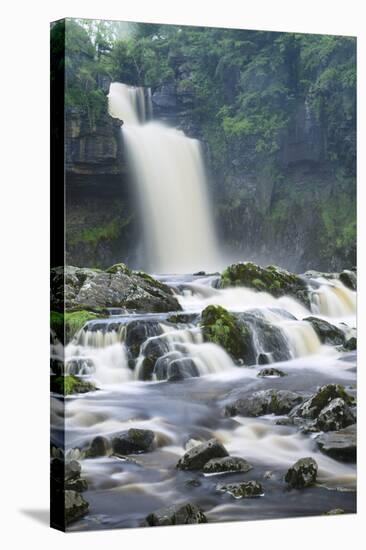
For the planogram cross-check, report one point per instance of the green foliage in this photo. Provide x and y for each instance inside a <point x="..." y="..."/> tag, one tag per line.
<point x="339" y="219"/>
<point x="82" y="68"/>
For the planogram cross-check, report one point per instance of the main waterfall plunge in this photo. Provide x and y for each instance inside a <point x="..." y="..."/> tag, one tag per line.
<point x="169" y="174"/>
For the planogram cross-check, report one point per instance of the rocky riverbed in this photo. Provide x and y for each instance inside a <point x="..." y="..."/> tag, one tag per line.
<point x="227" y="397"/>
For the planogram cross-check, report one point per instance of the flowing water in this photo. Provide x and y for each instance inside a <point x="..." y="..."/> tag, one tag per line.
<point x="121" y="492"/>
<point x="169" y="173"/>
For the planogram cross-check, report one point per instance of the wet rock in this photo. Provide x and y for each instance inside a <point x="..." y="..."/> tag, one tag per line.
<point x="271" y="372"/>
<point x="75" y="506"/>
<point x="222" y="328"/>
<point x="226" y="464"/>
<point x="268" y="336"/>
<point x="80" y="365"/>
<point x="263" y="359"/>
<point x="335" y="512"/>
<point x="349" y="279"/>
<point x="152" y="350"/>
<point x="302" y="474"/>
<point x="72" y="470"/>
<point x="241" y="489"/>
<point x="271" y="279"/>
<point x="327" y="333"/>
<point x="181" y="368"/>
<point x="100" y="446"/>
<point x="67" y="475"/>
<point x="340" y="445"/>
<point x="196" y="457"/>
<point x="265" y="402"/>
<point x="351" y="344"/>
<point x="335" y="416"/>
<point x="78" y="485"/>
<point x="182" y="318"/>
<point x="180" y="514"/>
<point x="325" y="394"/>
<point x="133" y="441"/>
<point x="162" y="363"/>
<point x="137" y="332"/>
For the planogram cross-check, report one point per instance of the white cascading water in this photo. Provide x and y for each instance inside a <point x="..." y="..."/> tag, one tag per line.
<point x="170" y="177"/>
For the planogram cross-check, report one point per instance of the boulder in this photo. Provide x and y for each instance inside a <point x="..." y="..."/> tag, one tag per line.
<point x="351" y="344"/>
<point x="196" y="457"/>
<point x="75" y="506"/>
<point x="94" y="289"/>
<point x="181" y="368"/>
<point x="222" y="328"/>
<point x="180" y="514"/>
<point x="241" y="489"/>
<point x="327" y="333"/>
<point x="67" y="475"/>
<point x="133" y="441"/>
<point x="226" y="464"/>
<point x="137" y="332"/>
<point x="340" y="445"/>
<point x="160" y="371"/>
<point x="271" y="279"/>
<point x="271" y="372"/>
<point x="349" y="279"/>
<point x="264" y="402"/>
<point x="152" y="350"/>
<point x="268" y="337"/>
<point x="100" y="446"/>
<point x="325" y="394"/>
<point x="335" y="416"/>
<point x="302" y="474"/>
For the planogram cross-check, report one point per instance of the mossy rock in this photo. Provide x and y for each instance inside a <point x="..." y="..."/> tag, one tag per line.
<point x="119" y="268"/>
<point x="70" y="384"/>
<point x="222" y="328"/>
<point x="271" y="279"/>
<point x="67" y="324"/>
<point x="321" y="399"/>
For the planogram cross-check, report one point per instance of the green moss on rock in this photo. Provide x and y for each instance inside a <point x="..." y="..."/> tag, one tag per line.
<point x="119" y="268"/>
<point x="222" y="328"/>
<point x="75" y="320"/>
<point x="69" y="384"/>
<point x="66" y="325"/>
<point x="271" y="279"/>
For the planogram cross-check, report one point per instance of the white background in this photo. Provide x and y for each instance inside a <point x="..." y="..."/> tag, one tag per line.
<point x="24" y="218"/>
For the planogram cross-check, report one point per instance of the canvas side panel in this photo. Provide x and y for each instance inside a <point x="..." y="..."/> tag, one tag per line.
<point x="57" y="433"/>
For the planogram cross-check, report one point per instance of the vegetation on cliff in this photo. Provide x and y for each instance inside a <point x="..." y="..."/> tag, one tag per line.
<point x="276" y="110"/>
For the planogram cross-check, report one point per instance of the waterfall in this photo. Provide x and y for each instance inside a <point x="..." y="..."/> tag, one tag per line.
<point x="333" y="299"/>
<point x="169" y="175"/>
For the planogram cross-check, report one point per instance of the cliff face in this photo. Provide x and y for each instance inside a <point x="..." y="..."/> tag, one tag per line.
<point x="282" y="211"/>
<point x="288" y="199"/>
<point x="100" y="221"/>
<point x="260" y="217"/>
